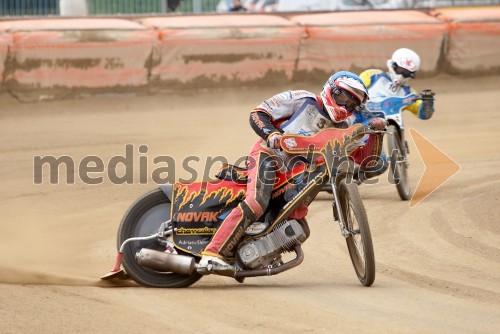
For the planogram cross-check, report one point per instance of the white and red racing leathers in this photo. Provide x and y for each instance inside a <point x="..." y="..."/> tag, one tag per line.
<point x="291" y="112"/>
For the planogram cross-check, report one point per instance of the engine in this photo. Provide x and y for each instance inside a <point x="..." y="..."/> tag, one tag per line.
<point x="262" y="251"/>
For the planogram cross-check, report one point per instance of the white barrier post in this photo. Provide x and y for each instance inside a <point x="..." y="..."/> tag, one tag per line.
<point x="73" y="7"/>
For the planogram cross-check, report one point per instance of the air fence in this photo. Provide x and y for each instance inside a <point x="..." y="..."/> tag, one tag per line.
<point x="26" y="8"/>
<point x="47" y="57"/>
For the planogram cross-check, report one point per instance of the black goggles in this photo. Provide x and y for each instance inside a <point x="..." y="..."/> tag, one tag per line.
<point x="403" y="71"/>
<point x="345" y="99"/>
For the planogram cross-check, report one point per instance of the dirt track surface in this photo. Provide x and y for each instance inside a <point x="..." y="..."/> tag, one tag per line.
<point x="438" y="264"/>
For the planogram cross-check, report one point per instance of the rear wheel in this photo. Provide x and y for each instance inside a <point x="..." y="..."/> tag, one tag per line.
<point x="142" y="219"/>
<point x="359" y="241"/>
<point x="398" y="165"/>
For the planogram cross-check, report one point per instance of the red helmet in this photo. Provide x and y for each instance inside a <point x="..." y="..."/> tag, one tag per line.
<point x="343" y="94"/>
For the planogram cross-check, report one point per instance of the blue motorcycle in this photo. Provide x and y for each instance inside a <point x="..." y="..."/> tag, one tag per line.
<point x="391" y="108"/>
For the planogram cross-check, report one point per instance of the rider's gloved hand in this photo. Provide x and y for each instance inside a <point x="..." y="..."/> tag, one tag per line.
<point x="378" y="123"/>
<point x="273" y="140"/>
<point x="427" y="94"/>
<point x="427" y="107"/>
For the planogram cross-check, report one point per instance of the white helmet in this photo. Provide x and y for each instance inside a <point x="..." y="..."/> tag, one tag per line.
<point x="403" y="65"/>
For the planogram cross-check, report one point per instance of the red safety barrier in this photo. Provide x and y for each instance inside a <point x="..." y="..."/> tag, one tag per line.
<point x="225" y="49"/>
<point x="474" y="40"/>
<point x="50" y="58"/>
<point x="5" y="42"/>
<point x="359" y="40"/>
<point x="54" y="57"/>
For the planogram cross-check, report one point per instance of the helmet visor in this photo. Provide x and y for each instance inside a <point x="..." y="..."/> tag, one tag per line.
<point x="345" y="99"/>
<point x="403" y="71"/>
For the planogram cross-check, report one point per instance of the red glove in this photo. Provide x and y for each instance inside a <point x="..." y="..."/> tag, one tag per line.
<point x="378" y="123"/>
<point x="273" y="141"/>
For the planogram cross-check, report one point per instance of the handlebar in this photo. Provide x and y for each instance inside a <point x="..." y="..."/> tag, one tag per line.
<point x="300" y="144"/>
<point x="369" y="131"/>
<point x="373" y="131"/>
<point x="426" y="94"/>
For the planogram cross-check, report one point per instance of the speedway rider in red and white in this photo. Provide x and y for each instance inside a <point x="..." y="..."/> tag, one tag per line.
<point x="291" y="112"/>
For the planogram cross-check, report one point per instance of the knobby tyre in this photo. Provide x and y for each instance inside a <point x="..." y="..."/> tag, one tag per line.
<point x="142" y="219"/>
<point x="398" y="163"/>
<point x="359" y="242"/>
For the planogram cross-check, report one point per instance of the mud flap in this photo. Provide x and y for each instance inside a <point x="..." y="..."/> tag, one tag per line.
<point x="168" y="189"/>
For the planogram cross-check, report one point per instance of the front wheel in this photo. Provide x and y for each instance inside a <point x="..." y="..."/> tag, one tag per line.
<point x="359" y="241"/>
<point x="143" y="219"/>
<point x="398" y="165"/>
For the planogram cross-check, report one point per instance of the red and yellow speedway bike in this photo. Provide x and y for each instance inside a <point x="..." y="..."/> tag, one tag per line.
<point x="163" y="233"/>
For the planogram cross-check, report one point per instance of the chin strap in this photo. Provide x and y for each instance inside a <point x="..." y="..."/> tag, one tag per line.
<point x="394" y="76"/>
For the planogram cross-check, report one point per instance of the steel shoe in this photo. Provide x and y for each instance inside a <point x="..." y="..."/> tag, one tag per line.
<point x="214" y="265"/>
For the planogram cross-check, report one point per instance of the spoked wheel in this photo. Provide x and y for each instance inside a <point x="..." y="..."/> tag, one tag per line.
<point x="359" y="242"/>
<point x="398" y="165"/>
<point x="143" y="219"/>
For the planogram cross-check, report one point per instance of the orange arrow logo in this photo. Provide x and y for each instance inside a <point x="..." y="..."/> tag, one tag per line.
<point x="439" y="167"/>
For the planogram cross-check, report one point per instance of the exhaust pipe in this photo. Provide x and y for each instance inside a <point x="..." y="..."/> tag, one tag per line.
<point x="165" y="262"/>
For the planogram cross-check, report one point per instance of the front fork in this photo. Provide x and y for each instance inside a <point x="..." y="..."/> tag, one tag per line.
<point x="404" y="142"/>
<point x="337" y="208"/>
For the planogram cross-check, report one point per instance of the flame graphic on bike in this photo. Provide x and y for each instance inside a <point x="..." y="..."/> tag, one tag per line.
<point x="200" y="193"/>
<point x="335" y="151"/>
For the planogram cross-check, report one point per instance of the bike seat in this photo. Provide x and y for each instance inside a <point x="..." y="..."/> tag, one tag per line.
<point x="233" y="173"/>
